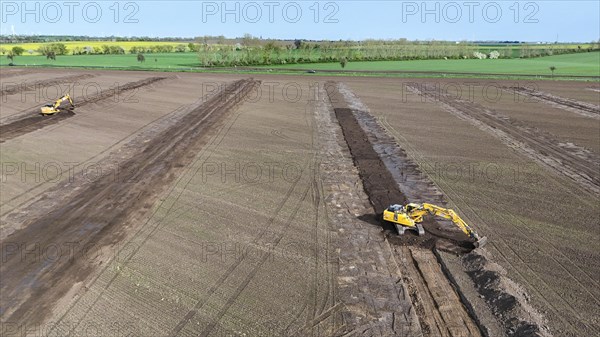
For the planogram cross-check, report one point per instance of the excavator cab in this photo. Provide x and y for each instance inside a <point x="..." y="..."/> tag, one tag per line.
<point x="399" y="216"/>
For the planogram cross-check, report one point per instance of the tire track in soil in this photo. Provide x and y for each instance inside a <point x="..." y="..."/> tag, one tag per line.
<point x="582" y="108"/>
<point x="200" y="303"/>
<point x="311" y="295"/>
<point x="327" y="308"/>
<point x="97" y="213"/>
<point x="37" y="121"/>
<point x="439" y="308"/>
<point x="317" y="311"/>
<point x="577" y="164"/>
<point x="310" y="301"/>
<point x="26" y="86"/>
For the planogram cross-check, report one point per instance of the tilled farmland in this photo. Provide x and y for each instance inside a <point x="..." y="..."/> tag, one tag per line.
<point x="228" y="205"/>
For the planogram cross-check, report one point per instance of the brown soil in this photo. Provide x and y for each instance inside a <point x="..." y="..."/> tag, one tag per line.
<point x="511" y="311"/>
<point x="582" y="108"/>
<point x="98" y="214"/>
<point x="576" y="163"/>
<point x="553" y="266"/>
<point x="5" y="73"/>
<point x="37" y="121"/>
<point x="11" y="90"/>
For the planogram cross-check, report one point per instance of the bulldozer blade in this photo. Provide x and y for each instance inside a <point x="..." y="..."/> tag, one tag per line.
<point x="481" y="242"/>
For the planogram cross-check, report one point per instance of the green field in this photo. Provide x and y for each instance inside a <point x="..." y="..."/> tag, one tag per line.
<point x="127" y="61"/>
<point x="586" y="64"/>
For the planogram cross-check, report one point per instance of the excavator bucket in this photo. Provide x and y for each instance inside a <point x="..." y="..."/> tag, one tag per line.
<point x="482" y="241"/>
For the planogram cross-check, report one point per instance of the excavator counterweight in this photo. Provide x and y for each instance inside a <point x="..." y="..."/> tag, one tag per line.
<point x="410" y="216"/>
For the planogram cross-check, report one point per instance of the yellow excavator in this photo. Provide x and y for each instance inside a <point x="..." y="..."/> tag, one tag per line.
<point x="51" y="109"/>
<point x="410" y="216"/>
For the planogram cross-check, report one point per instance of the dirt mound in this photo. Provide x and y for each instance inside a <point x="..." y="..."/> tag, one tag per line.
<point x="504" y="305"/>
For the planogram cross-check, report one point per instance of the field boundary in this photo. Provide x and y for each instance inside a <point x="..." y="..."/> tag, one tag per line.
<point x="327" y="72"/>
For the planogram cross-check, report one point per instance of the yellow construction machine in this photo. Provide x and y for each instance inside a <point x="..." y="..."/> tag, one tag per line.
<point x="51" y="109"/>
<point x="410" y="216"/>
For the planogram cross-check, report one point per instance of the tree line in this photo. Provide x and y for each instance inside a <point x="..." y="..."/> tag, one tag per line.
<point x="253" y="51"/>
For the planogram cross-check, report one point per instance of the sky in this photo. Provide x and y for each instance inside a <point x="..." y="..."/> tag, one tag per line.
<point x="543" y="21"/>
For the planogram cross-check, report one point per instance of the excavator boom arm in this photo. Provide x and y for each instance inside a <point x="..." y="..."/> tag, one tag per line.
<point x="449" y="214"/>
<point x="59" y="101"/>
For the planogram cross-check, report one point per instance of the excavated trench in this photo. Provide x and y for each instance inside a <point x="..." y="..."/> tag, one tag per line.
<point x="382" y="189"/>
<point x="390" y="177"/>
